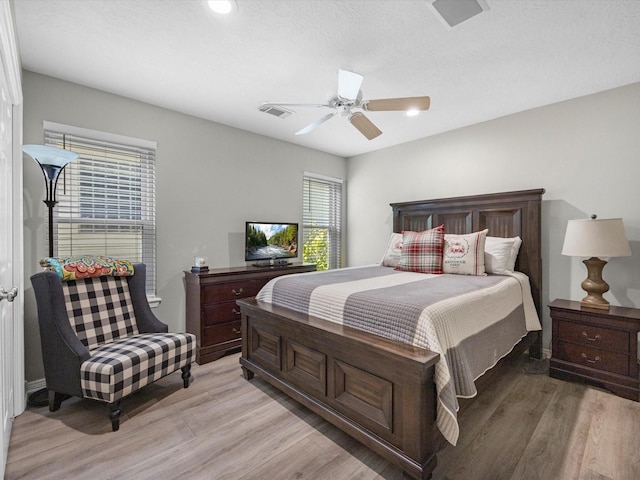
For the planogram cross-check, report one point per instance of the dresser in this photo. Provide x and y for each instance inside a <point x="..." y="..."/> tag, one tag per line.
<point x="212" y="314"/>
<point x="599" y="347"/>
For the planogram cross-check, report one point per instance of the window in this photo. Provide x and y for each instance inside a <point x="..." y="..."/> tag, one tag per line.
<point x="106" y="197"/>
<point x="322" y="221"/>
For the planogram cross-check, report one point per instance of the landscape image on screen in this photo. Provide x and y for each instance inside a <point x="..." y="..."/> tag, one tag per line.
<point x="271" y="240"/>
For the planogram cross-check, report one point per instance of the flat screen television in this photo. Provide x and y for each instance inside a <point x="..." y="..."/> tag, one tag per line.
<point x="266" y="241"/>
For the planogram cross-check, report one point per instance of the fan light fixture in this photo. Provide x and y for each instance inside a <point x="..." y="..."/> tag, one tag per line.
<point x="348" y="99"/>
<point x="223" y="7"/>
<point x="413" y="112"/>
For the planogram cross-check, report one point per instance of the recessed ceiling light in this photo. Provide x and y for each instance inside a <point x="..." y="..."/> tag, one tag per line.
<point x="413" y="112"/>
<point x="223" y="7"/>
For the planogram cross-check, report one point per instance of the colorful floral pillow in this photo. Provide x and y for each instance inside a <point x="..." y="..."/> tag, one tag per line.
<point x="422" y="251"/>
<point x="464" y="254"/>
<point x="74" y="268"/>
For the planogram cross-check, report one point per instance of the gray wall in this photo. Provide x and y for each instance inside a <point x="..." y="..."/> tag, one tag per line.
<point x="210" y="179"/>
<point x="584" y="152"/>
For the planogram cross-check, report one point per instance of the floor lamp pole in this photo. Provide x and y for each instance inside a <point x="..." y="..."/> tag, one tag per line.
<point x="52" y="161"/>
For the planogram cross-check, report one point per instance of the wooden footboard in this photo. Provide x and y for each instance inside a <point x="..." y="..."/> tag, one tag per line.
<point x="378" y="391"/>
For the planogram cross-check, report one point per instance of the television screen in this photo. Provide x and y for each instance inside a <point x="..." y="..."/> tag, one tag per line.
<point x="267" y="241"/>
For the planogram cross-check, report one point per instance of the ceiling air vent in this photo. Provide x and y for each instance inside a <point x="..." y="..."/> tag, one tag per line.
<point x="276" y="111"/>
<point x="454" y="12"/>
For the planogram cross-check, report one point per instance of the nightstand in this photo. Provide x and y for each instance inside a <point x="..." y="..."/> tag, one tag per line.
<point x="599" y="347"/>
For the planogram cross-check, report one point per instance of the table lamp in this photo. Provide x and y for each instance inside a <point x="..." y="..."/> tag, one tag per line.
<point x="595" y="238"/>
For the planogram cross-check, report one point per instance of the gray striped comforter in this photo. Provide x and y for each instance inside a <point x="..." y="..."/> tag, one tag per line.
<point x="471" y="321"/>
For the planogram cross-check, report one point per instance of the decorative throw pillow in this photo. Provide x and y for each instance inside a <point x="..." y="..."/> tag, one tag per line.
<point x="422" y="251"/>
<point x="464" y="254"/>
<point x="500" y="254"/>
<point x="74" y="268"/>
<point x="393" y="251"/>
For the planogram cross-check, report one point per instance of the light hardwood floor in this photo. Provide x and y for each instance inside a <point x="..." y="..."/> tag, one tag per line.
<point x="224" y="427"/>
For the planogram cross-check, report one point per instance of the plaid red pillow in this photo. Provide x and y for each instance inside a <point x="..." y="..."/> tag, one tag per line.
<point x="422" y="251"/>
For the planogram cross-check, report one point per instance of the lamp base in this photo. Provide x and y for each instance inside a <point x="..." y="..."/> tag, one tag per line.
<point x="585" y="303"/>
<point x="594" y="285"/>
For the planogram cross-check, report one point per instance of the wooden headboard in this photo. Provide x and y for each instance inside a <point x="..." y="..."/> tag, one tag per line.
<point x="507" y="214"/>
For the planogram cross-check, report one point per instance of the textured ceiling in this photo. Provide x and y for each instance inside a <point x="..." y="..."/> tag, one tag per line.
<point x="518" y="55"/>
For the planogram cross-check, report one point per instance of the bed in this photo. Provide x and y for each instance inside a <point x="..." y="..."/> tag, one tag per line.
<point x="381" y="391"/>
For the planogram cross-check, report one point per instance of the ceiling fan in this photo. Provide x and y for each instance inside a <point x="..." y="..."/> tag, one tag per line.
<point x="349" y="97"/>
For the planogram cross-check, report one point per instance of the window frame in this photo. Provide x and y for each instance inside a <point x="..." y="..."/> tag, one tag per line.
<point x="121" y="201"/>
<point x="331" y="220"/>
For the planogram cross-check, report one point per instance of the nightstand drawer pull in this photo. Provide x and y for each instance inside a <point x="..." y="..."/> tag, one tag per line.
<point x="236" y="331"/>
<point x="595" y="360"/>
<point x="236" y="312"/>
<point x="237" y="292"/>
<point x="591" y="339"/>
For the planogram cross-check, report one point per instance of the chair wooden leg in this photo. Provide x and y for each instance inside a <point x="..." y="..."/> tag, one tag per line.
<point x="55" y="400"/>
<point x="114" y="415"/>
<point x="186" y="375"/>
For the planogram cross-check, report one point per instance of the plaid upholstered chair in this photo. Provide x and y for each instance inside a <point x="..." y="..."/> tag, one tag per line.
<point x="100" y="339"/>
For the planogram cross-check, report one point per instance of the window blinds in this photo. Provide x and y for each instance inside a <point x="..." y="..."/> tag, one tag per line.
<point x="106" y="201"/>
<point x="322" y="221"/>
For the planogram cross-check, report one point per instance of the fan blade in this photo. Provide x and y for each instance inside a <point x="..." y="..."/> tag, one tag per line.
<point x="397" y="104"/>
<point x="366" y="127"/>
<point x="349" y="84"/>
<point x="276" y="104"/>
<point x="314" y="125"/>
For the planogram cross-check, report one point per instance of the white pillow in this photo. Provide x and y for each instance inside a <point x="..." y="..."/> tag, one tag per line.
<point x="515" y="248"/>
<point x="500" y="254"/>
<point x="464" y="254"/>
<point x="393" y="251"/>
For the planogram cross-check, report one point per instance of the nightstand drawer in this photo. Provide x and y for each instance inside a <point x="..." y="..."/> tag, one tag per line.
<point x="221" y="312"/>
<point x="594" y="337"/>
<point x="593" y="357"/>
<point x="222" y="333"/>
<point x="232" y="290"/>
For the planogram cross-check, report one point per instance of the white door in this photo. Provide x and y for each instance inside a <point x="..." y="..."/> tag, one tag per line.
<point x="7" y="287"/>
<point x="12" y="398"/>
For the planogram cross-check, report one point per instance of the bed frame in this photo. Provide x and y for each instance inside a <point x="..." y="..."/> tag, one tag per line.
<point x="379" y="391"/>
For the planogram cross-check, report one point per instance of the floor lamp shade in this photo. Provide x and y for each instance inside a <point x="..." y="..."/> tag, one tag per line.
<point x="51" y="160"/>
<point x="595" y="238"/>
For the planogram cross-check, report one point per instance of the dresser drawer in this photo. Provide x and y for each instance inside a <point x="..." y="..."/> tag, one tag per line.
<point x="594" y="337"/>
<point x="215" y="313"/>
<point x="232" y="290"/>
<point x="223" y="332"/>
<point x="593" y="357"/>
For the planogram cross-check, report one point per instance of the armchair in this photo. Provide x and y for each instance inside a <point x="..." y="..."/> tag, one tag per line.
<point x="100" y="339"/>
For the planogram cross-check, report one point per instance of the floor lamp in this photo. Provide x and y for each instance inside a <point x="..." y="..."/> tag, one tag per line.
<point x="51" y="160"/>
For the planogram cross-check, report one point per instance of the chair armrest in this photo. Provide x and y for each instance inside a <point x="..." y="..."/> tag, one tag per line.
<point x="145" y="318"/>
<point x="62" y="351"/>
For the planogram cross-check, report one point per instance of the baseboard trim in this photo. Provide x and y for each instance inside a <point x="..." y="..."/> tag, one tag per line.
<point x="35" y="385"/>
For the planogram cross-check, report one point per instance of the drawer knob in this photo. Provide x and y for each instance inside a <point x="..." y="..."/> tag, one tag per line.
<point x="595" y="360"/>
<point x="591" y="339"/>
<point x="236" y="312"/>
<point x="237" y="292"/>
<point x="237" y="331"/>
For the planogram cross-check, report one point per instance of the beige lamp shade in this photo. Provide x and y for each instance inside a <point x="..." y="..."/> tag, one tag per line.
<point x="596" y="238"/>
